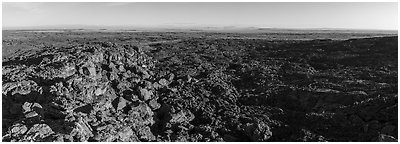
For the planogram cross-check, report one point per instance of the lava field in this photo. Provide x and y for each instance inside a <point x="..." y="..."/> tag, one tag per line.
<point x="111" y="87"/>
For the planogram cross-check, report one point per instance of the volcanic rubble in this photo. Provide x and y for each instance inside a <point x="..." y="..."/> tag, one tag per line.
<point x="103" y="91"/>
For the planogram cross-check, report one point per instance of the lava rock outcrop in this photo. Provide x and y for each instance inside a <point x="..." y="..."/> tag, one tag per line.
<point x="91" y="92"/>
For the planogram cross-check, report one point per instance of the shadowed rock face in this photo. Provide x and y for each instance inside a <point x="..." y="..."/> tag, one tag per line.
<point x="204" y="90"/>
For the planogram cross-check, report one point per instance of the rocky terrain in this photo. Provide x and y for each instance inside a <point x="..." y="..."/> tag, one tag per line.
<point x="77" y="87"/>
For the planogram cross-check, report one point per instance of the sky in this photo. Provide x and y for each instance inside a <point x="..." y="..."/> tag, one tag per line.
<point x="345" y="15"/>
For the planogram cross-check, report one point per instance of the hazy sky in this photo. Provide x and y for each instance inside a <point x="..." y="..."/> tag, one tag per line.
<point x="277" y="15"/>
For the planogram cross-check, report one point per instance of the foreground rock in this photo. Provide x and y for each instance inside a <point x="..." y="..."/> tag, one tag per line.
<point x="94" y="92"/>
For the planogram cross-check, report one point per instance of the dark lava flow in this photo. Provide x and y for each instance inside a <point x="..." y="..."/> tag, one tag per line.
<point x="204" y="90"/>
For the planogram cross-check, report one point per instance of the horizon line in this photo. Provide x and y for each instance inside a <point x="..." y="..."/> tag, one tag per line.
<point x="183" y="27"/>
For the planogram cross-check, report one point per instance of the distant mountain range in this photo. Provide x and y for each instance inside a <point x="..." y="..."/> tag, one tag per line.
<point x="191" y="28"/>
